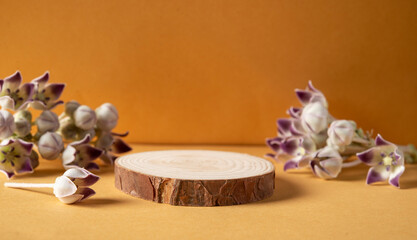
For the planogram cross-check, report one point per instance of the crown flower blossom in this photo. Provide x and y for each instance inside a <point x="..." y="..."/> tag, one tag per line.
<point x="312" y="138"/>
<point x="326" y="163"/>
<point x="7" y="124"/>
<point x="71" y="187"/>
<point x="14" y="96"/>
<point x="15" y="157"/>
<point x="301" y="149"/>
<point x="386" y="160"/>
<point x="46" y="95"/>
<point x="81" y="154"/>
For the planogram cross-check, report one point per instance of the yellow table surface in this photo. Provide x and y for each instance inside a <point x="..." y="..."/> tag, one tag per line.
<point x="302" y="207"/>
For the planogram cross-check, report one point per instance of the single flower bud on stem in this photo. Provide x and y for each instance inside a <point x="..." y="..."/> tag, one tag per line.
<point x="69" y="188"/>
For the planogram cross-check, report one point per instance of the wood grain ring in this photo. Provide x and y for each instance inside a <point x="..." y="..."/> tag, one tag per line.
<point x="195" y="177"/>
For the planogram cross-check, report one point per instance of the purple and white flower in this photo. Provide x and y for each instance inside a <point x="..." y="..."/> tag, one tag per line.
<point x="46" y="94"/>
<point x="12" y="95"/>
<point x="71" y="187"/>
<point x="326" y="163"/>
<point x="74" y="185"/>
<point x="386" y="160"/>
<point x="15" y="157"/>
<point x="81" y="154"/>
<point x="301" y="149"/>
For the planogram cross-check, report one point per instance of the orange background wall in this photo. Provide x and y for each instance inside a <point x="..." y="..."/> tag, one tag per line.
<point x="221" y="71"/>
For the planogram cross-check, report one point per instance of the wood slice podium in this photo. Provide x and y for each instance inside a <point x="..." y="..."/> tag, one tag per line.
<point x="195" y="177"/>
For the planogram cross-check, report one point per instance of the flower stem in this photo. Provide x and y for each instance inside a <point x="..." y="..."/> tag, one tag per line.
<point x="361" y="140"/>
<point x="351" y="164"/>
<point x="28" y="185"/>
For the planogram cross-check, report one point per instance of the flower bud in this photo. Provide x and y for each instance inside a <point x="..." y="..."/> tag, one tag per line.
<point x="74" y="185"/>
<point x="7" y="125"/>
<point x="341" y="133"/>
<point x="34" y="159"/>
<point x="107" y="117"/>
<point x="70" y="107"/>
<point x="105" y="140"/>
<point x="327" y="163"/>
<point x="67" y="128"/>
<point x="85" y="118"/>
<point x="23" y="127"/>
<point x="47" y="121"/>
<point x="25" y="114"/>
<point x="315" y="117"/>
<point x="50" y="145"/>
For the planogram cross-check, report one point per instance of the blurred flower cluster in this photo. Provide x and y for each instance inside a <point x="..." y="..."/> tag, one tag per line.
<point x="78" y="136"/>
<point x="312" y="138"/>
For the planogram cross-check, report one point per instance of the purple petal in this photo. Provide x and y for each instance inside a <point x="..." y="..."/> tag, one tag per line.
<point x="311" y="87"/>
<point x="120" y="134"/>
<point x="41" y="80"/>
<point x="120" y="146"/>
<point x="296" y="128"/>
<point x="26" y="167"/>
<point x="274" y="143"/>
<point x="379" y="141"/>
<point x="81" y="177"/>
<point x="270" y="155"/>
<point x="52" y="106"/>
<point x="86" y="192"/>
<point x="290" y="145"/>
<point x="396" y="172"/>
<point x="12" y="82"/>
<point x="8" y="174"/>
<point x="303" y="96"/>
<point x="284" y="125"/>
<point x="92" y="165"/>
<point x="25" y="94"/>
<point x="85" y="140"/>
<point x="26" y="90"/>
<point x="294" y="112"/>
<point x="89" y="152"/>
<point x="54" y="91"/>
<point x="376" y="174"/>
<point x="25" y="146"/>
<point x="370" y="156"/>
<point x="290" y="164"/>
<point x="87" y="181"/>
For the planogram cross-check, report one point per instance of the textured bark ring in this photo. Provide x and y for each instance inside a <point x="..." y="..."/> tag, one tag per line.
<point x="195" y="177"/>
